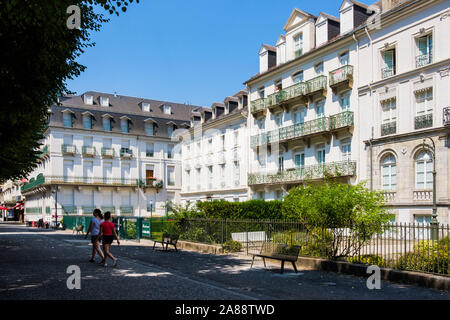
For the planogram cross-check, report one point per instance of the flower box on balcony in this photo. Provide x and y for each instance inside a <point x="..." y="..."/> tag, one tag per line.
<point x="68" y="149"/>
<point x="108" y="152"/>
<point x="88" y="151"/>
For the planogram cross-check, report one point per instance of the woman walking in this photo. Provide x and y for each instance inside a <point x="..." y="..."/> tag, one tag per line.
<point x="108" y="233"/>
<point x="94" y="229"/>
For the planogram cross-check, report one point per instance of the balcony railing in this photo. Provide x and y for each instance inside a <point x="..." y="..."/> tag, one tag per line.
<point x="149" y="154"/>
<point x="111" y="209"/>
<point x="422" y="195"/>
<point x="387" y="72"/>
<point x="446" y="116"/>
<point x="108" y="152"/>
<point x="423" y="121"/>
<point x="88" y="151"/>
<point x="316" y="84"/>
<point x="295" y="91"/>
<point x="258" y="105"/>
<point x="34" y="182"/>
<point x="126" y="209"/>
<point x="87" y="209"/>
<point x="126" y="153"/>
<point x="68" y="149"/>
<point x="341" y="75"/>
<point x="389" y="196"/>
<point x="299" y="130"/>
<point x="341" y="120"/>
<point x="298" y="53"/>
<point x="423" y="60"/>
<point x="45" y="151"/>
<point x="293" y="175"/>
<point x="388" y="128"/>
<point x="69" y="209"/>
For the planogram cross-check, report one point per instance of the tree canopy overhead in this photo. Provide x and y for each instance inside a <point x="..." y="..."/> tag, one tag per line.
<point x="38" y="56"/>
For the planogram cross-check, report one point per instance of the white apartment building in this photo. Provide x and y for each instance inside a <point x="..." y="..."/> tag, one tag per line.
<point x="303" y="104"/>
<point x="108" y="151"/>
<point x="403" y="88"/>
<point x="354" y="97"/>
<point x="215" y="153"/>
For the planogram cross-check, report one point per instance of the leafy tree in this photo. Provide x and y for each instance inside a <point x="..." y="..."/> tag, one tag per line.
<point x="38" y="57"/>
<point x="341" y="217"/>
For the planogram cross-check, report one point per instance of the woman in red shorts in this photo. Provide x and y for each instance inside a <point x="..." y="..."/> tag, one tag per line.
<point x="108" y="232"/>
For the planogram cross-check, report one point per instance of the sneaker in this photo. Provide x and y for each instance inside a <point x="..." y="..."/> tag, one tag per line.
<point x="105" y="264"/>
<point x="115" y="263"/>
<point x="92" y="260"/>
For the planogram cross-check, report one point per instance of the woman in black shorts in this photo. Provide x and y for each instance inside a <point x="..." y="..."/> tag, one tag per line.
<point x="108" y="233"/>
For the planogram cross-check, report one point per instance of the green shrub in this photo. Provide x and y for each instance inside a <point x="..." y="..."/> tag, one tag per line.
<point x="367" y="259"/>
<point x="427" y="256"/>
<point x="232" y="246"/>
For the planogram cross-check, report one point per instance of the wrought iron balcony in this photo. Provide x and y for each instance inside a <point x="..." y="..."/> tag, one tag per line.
<point x="387" y="72"/>
<point x="316" y="85"/>
<point x="126" y="209"/>
<point x="299" y="174"/>
<point x="258" y="105"/>
<point x="341" y="120"/>
<point x="69" y="209"/>
<point x="297" y="90"/>
<point x="68" y="149"/>
<point x="34" y="182"/>
<point x="126" y="153"/>
<point x="423" y="121"/>
<point x="108" y="152"/>
<point x="446" y="116"/>
<point x="298" y="130"/>
<point x="88" y="151"/>
<point x="423" y="60"/>
<point x="111" y="209"/>
<point x="388" y="128"/>
<point x="45" y="151"/>
<point x="342" y="76"/>
<point x="298" y="53"/>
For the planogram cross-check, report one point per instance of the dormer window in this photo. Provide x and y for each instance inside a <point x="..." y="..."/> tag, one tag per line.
<point x="106" y="123"/>
<point x="145" y="106"/>
<point x="298" y="45"/>
<point x="87" y="120"/>
<point x="125" y="125"/>
<point x="104" y="101"/>
<point x="149" y="127"/>
<point x="167" y="109"/>
<point x="170" y="129"/>
<point x="88" y="99"/>
<point x="67" y="119"/>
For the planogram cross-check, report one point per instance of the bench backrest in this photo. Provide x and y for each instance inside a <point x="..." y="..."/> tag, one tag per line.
<point x="170" y="238"/>
<point x="280" y="250"/>
<point x="249" y="236"/>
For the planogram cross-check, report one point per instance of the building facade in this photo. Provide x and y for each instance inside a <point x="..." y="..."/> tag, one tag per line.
<point x="354" y="97"/>
<point x="215" y="153"/>
<point x="404" y="92"/>
<point x="108" y="151"/>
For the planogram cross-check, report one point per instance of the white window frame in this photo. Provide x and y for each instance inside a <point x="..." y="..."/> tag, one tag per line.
<point x="389" y="165"/>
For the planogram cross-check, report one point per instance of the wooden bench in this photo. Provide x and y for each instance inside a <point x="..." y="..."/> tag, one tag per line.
<point x="278" y="251"/>
<point x="166" y="240"/>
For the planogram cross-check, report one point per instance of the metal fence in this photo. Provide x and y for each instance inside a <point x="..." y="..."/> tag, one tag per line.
<point x="130" y="228"/>
<point x="395" y="245"/>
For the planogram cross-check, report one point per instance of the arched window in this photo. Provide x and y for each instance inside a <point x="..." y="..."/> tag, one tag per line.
<point x="389" y="173"/>
<point x="424" y="170"/>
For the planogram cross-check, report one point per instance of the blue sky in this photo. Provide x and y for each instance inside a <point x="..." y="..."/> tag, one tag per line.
<point x="194" y="51"/>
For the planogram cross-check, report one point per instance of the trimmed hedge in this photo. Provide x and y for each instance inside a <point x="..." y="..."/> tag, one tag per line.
<point x="252" y="209"/>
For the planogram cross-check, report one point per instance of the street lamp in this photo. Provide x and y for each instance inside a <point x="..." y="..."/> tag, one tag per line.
<point x="434" y="223"/>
